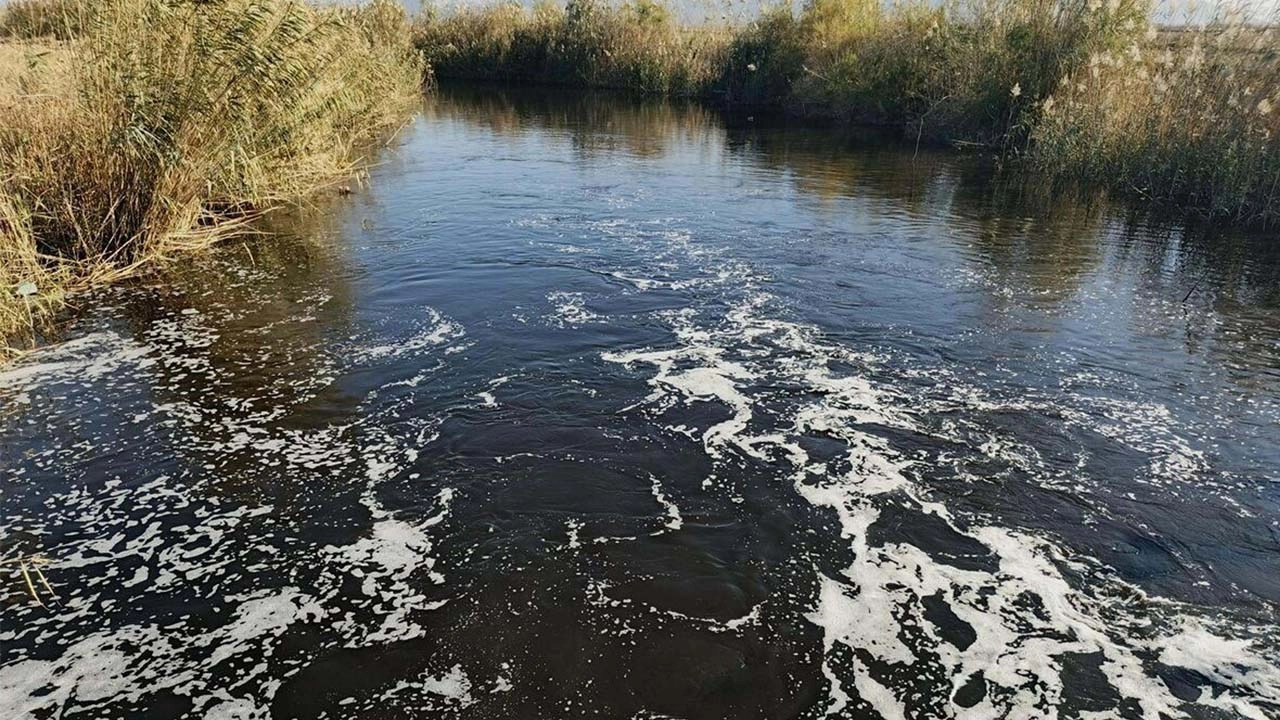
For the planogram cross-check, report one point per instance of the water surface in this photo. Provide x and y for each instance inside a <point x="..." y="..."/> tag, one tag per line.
<point x="586" y="407"/>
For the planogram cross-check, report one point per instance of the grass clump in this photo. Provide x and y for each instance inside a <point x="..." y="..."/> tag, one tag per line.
<point x="636" y="46"/>
<point x="179" y="122"/>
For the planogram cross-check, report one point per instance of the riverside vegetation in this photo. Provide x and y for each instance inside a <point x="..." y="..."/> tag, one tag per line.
<point x="134" y="130"/>
<point x="1076" y="89"/>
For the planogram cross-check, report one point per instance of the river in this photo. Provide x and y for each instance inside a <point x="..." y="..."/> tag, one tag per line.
<point x="590" y="407"/>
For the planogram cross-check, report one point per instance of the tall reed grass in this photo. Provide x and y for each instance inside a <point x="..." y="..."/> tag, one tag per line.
<point x="962" y="69"/>
<point x="179" y="122"/>
<point x="29" y="19"/>
<point x="636" y="46"/>
<point x="1189" y="116"/>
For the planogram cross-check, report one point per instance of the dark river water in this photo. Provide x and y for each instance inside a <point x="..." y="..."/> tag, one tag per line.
<point x="582" y="407"/>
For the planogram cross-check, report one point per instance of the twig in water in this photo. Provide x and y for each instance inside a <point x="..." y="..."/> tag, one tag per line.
<point x="29" y="565"/>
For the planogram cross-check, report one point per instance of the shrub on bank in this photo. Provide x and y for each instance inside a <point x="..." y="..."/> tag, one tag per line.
<point x="183" y="121"/>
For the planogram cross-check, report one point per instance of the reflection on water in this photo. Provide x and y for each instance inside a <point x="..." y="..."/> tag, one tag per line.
<point x="595" y="407"/>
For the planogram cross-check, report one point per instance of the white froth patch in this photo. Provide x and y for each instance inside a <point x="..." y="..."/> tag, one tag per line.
<point x="263" y="616"/>
<point x="570" y="309"/>
<point x="452" y="687"/>
<point x="712" y="380"/>
<point x="386" y="561"/>
<point x="169" y="537"/>
<point x="435" y="330"/>
<point x="83" y="359"/>
<point x="874" y="606"/>
<point x="108" y="665"/>
<point x="572" y="529"/>
<point x="674" y="521"/>
<point x="237" y="709"/>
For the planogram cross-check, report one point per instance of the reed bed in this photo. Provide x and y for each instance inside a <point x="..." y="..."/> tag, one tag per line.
<point x="53" y="19"/>
<point x="169" y="124"/>
<point x="1189" y="117"/>
<point x="965" y="69"/>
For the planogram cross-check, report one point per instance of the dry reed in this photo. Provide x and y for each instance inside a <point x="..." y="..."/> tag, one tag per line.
<point x="177" y="123"/>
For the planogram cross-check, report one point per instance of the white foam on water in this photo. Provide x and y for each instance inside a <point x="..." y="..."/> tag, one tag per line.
<point x="447" y="691"/>
<point x="178" y="536"/>
<point x="434" y="330"/>
<point x="572" y="529"/>
<point x="598" y="594"/>
<point x="1025" y="616"/>
<point x="570" y="309"/>
<point x="453" y="685"/>
<point x="674" y="521"/>
<point x="131" y="663"/>
<point x="237" y="709"/>
<point x="486" y="397"/>
<point x="87" y="358"/>
<point x="712" y="378"/>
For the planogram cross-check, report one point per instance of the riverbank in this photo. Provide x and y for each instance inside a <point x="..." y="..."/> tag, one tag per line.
<point x="132" y="131"/>
<point x="1075" y="90"/>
